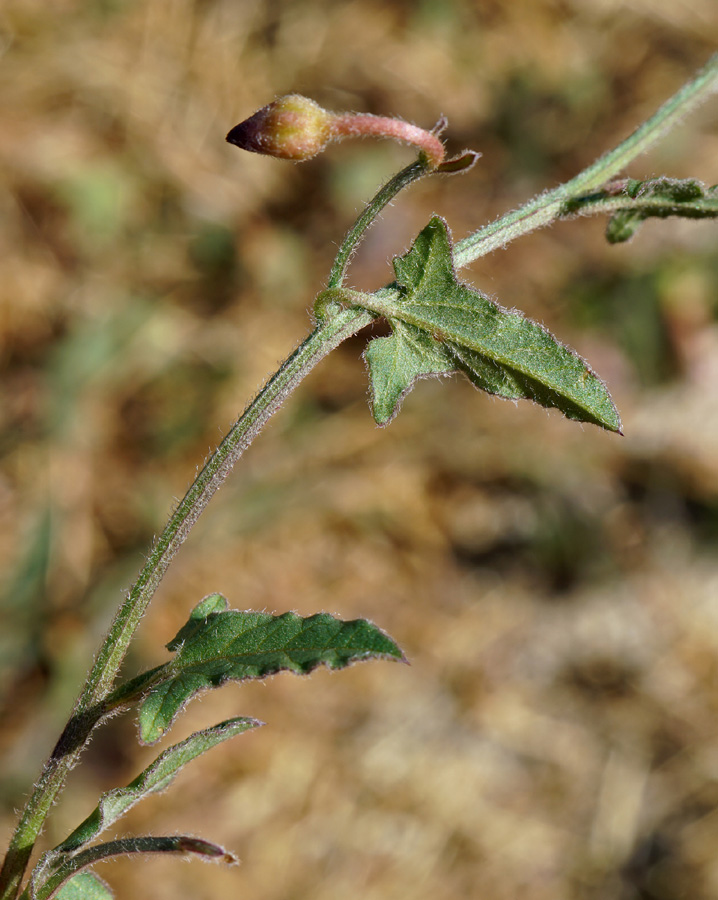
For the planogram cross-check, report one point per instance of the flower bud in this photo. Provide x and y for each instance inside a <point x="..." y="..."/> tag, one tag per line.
<point x="292" y="127"/>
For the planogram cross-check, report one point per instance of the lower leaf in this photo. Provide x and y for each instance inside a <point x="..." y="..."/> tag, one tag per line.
<point x="219" y="645"/>
<point x="73" y="863"/>
<point x="85" y="886"/>
<point x="155" y="778"/>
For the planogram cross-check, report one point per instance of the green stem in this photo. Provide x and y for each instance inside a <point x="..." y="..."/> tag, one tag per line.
<point x="649" y="205"/>
<point x="402" y="179"/>
<point x="90" y="707"/>
<point x="547" y="207"/>
<point x="96" y="701"/>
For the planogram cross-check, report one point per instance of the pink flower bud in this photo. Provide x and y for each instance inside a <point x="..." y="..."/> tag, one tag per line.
<point x="292" y="127"/>
<point x="297" y="128"/>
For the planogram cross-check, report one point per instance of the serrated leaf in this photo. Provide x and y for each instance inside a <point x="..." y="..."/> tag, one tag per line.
<point x="510" y="384"/>
<point x="235" y="646"/>
<point x="155" y="778"/>
<point x="503" y="352"/>
<point x="85" y="886"/>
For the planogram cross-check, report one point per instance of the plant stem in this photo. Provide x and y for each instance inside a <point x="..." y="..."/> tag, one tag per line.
<point x="95" y="701"/>
<point x="328" y="335"/>
<point x="547" y="207"/>
<point x="358" y="125"/>
<point x="89" y="708"/>
<point x="386" y="194"/>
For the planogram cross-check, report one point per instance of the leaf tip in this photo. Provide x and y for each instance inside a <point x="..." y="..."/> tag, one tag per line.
<point x="205" y="849"/>
<point x="458" y="164"/>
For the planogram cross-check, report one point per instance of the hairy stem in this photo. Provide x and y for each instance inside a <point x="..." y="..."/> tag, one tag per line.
<point x="90" y="708"/>
<point x="547" y="207"/>
<point x="614" y="198"/>
<point x="96" y="700"/>
<point x="359" y="125"/>
<point x="402" y="179"/>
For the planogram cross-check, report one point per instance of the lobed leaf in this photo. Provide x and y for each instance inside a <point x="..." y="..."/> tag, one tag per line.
<point x="155" y="778"/>
<point x="219" y="645"/>
<point x="396" y="362"/>
<point x="440" y="325"/>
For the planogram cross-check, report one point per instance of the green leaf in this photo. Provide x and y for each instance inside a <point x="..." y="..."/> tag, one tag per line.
<point x="43" y="885"/>
<point x="212" y="603"/>
<point x="623" y="225"/>
<point x="219" y="645"/>
<point x="657" y="198"/>
<point x="85" y="886"/>
<point x="155" y="778"/>
<point x="501" y="351"/>
<point x="396" y="362"/>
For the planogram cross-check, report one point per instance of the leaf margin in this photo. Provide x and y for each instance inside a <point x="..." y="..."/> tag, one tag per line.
<point x="169" y="695"/>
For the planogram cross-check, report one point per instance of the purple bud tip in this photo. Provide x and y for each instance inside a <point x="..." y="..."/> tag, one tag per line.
<point x="292" y="127"/>
<point x="248" y="134"/>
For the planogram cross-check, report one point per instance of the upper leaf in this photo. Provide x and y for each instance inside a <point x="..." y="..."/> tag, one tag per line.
<point x="219" y="645"/>
<point x="659" y="198"/>
<point x="453" y="327"/>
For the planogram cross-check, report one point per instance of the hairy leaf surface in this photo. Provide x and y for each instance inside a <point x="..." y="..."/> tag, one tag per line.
<point x="85" y="886"/>
<point x="441" y="325"/>
<point x="219" y="645"/>
<point x="64" y="867"/>
<point x="661" y="198"/>
<point x="396" y="362"/>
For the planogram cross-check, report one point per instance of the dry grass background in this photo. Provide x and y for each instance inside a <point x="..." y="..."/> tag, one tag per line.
<point x="555" y="587"/>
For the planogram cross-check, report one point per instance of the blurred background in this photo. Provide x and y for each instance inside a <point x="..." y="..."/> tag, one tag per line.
<point x="554" y="587"/>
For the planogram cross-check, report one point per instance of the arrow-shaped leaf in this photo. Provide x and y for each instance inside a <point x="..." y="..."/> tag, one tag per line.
<point x="219" y="645"/>
<point x="396" y="362"/>
<point x="441" y="325"/>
